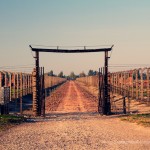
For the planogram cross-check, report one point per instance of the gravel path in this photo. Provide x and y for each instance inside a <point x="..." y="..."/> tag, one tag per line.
<point x="76" y="129"/>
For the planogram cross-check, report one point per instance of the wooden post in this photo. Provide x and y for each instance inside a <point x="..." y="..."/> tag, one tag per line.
<point x="137" y="89"/>
<point x="17" y="84"/>
<point x="43" y="94"/>
<point x="30" y="84"/>
<point x="133" y="81"/>
<point x="113" y="83"/>
<point x="14" y="84"/>
<point x="128" y="85"/>
<point x="99" y="93"/>
<point x="107" y="99"/>
<point x="37" y="83"/>
<point x="142" y="86"/>
<point x="10" y="84"/>
<point x="148" y="86"/>
<point x="20" y="95"/>
<point x="103" y="92"/>
<point x="35" y="102"/>
<point x="22" y="84"/>
<point x="0" y="79"/>
<point x="124" y="105"/>
<point x="26" y="83"/>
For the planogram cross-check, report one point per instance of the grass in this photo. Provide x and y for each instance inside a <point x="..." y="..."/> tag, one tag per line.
<point x="142" y="119"/>
<point x="7" y="121"/>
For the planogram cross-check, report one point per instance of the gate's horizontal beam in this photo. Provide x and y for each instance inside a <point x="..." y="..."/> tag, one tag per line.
<point x="71" y="51"/>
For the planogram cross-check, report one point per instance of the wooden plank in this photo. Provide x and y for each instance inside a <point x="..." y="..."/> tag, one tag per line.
<point x="71" y="50"/>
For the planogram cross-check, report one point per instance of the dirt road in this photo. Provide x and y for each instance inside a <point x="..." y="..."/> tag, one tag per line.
<point x="75" y="101"/>
<point x="76" y="126"/>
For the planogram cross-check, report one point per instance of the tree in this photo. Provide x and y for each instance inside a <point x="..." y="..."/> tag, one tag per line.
<point x="92" y="73"/>
<point x="95" y="73"/>
<point x="64" y="76"/>
<point x="60" y="74"/>
<point x="72" y="76"/>
<point x="82" y="74"/>
<point x="51" y="73"/>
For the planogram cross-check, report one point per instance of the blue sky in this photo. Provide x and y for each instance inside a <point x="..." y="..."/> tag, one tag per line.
<point x="124" y="23"/>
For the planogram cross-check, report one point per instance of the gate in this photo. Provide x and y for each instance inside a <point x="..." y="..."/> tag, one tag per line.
<point x="104" y="98"/>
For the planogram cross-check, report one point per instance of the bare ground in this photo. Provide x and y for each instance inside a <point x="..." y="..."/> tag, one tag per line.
<point x="76" y="125"/>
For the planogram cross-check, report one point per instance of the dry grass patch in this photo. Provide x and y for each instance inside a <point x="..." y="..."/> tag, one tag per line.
<point x="8" y="121"/>
<point x="142" y="119"/>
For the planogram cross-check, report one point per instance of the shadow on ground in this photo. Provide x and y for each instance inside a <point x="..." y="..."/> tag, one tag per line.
<point x="65" y="116"/>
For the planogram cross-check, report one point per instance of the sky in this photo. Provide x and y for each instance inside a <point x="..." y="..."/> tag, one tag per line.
<point x="122" y="23"/>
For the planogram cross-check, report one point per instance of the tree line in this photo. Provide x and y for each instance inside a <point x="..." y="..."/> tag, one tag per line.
<point x="72" y="75"/>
